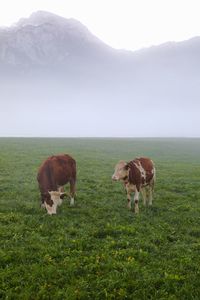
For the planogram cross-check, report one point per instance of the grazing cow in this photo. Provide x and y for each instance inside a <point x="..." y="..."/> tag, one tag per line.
<point x="53" y="174"/>
<point x="137" y="175"/>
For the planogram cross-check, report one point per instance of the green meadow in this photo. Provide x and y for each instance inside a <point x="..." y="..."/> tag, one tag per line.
<point x="98" y="249"/>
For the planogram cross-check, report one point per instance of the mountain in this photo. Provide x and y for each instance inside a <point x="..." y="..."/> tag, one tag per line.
<point x="48" y="62"/>
<point x="46" y="40"/>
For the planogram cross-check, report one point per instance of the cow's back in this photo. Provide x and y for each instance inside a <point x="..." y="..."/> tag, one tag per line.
<point x="141" y="171"/>
<point x="57" y="170"/>
<point x="148" y="166"/>
<point x="63" y="167"/>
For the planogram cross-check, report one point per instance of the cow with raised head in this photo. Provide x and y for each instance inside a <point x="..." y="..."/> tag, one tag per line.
<point x="53" y="174"/>
<point x="137" y="175"/>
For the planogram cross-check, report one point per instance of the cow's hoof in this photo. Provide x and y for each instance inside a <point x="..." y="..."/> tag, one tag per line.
<point x="71" y="202"/>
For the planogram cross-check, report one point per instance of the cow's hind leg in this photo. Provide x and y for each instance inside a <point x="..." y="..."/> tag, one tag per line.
<point x="150" y="195"/>
<point x="72" y="192"/>
<point x="150" y="192"/>
<point x="144" y="195"/>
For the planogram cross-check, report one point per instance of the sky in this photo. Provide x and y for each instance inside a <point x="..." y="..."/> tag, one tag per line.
<point x="122" y="24"/>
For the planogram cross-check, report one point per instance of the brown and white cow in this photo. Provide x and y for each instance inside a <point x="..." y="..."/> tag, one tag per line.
<point x="137" y="175"/>
<point x="53" y="174"/>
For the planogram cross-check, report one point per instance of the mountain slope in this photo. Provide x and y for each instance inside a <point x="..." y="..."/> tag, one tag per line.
<point x="46" y="39"/>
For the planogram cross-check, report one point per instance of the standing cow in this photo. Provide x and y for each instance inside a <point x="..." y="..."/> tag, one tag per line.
<point x="53" y="174"/>
<point x="137" y="175"/>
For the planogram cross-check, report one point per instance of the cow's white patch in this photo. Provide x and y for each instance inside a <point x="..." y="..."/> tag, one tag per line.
<point x="141" y="169"/>
<point x="55" y="197"/>
<point x="57" y="201"/>
<point x="50" y="209"/>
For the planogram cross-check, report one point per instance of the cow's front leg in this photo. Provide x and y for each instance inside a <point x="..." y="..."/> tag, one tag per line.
<point x="128" y="200"/>
<point x="136" y="200"/>
<point x="128" y="195"/>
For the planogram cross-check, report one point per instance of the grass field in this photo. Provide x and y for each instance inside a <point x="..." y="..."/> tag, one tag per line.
<point x="98" y="249"/>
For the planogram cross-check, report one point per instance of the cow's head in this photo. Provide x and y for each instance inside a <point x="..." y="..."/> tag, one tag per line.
<point x="121" y="171"/>
<point x="53" y="199"/>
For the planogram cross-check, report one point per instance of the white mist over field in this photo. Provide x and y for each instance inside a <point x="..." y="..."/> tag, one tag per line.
<point x="54" y="111"/>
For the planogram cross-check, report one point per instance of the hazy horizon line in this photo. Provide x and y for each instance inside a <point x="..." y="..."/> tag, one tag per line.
<point x="101" y="137"/>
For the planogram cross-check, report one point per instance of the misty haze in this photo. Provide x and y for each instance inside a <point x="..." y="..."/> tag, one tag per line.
<point x="57" y="79"/>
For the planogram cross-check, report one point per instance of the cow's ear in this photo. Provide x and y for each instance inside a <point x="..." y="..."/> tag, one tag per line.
<point x="62" y="195"/>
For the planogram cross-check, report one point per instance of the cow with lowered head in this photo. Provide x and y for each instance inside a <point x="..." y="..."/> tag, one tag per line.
<point x="137" y="175"/>
<point x="53" y="174"/>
